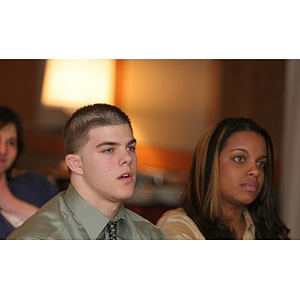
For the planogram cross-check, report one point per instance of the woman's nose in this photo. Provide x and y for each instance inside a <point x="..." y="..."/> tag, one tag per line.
<point x="254" y="170"/>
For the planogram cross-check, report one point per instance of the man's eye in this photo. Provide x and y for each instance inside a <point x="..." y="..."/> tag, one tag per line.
<point x="110" y="150"/>
<point x="239" y="159"/>
<point x="131" y="148"/>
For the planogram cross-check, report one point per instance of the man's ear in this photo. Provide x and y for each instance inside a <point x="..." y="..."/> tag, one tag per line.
<point x="74" y="163"/>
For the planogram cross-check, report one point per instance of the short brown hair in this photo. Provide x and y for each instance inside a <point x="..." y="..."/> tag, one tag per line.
<point x="85" y="118"/>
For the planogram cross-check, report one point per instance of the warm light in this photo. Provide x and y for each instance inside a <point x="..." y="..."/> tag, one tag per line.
<point x="72" y="83"/>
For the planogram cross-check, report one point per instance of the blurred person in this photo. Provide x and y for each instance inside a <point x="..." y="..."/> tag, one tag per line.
<point x="21" y="196"/>
<point x="228" y="194"/>
<point x="102" y="162"/>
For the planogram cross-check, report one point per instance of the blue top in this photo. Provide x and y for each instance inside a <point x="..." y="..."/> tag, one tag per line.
<point x="31" y="187"/>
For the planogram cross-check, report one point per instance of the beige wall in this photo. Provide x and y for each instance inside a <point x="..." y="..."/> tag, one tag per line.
<point x="170" y="102"/>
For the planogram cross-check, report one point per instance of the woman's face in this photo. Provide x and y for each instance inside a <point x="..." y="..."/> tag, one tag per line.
<point x="8" y="146"/>
<point x="242" y="164"/>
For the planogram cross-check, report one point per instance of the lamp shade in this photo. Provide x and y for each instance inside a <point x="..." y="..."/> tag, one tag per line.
<point x="73" y="83"/>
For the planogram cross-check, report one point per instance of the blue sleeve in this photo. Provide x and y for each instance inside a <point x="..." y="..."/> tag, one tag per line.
<point x="33" y="188"/>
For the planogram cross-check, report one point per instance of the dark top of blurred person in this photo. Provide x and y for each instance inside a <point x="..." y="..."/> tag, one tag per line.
<point x="20" y="196"/>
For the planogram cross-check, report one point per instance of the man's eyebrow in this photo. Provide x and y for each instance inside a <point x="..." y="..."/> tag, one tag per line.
<point x="107" y="144"/>
<point x="133" y="141"/>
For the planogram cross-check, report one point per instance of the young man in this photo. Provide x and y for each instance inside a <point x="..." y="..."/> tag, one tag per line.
<point x="102" y="162"/>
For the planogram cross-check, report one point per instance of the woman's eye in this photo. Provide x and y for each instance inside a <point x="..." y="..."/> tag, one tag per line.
<point x="239" y="159"/>
<point x="11" y="143"/>
<point x="261" y="164"/>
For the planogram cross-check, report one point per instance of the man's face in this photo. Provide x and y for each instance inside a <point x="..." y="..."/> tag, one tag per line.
<point x="109" y="163"/>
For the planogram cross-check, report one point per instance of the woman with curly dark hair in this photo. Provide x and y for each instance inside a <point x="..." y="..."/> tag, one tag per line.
<point x="228" y="194"/>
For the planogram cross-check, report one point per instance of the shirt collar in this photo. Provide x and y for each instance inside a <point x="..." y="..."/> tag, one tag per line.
<point x="250" y="228"/>
<point x="92" y="220"/>
<point x="121" y="214"/>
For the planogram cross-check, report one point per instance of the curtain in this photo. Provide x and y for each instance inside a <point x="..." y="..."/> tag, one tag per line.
<point x="290" y="160"/>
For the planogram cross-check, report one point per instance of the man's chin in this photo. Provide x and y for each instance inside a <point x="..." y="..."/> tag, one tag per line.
<point x="126" y="196"/>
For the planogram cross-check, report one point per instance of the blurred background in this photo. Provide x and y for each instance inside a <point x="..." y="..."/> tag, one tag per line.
<point x="170" y="103"/>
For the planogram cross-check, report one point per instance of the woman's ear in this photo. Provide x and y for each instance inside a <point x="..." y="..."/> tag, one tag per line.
<point x="74" y="163"/>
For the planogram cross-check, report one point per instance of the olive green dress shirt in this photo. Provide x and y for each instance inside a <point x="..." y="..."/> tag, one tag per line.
<point x="67" y="216"/>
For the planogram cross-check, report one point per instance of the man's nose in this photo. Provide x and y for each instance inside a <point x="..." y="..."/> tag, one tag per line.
<point x="126" y="157"/>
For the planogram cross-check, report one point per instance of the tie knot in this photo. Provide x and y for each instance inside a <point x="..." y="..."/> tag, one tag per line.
<point x="112" y="230"/>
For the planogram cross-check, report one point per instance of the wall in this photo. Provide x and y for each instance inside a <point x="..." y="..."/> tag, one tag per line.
<point x="170" y="102"/>
<point x="20" y="87"/>
<point x="290" y="188"/>
<point x="255" y="89"/>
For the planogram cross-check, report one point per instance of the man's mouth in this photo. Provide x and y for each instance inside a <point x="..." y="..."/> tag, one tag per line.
<point x="125" y="176"/>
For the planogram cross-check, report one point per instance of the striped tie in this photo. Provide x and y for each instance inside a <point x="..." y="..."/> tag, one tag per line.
<point x="112" y="230"/>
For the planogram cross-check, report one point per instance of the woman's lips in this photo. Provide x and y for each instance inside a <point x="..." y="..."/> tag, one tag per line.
<point x="250" y="186"/>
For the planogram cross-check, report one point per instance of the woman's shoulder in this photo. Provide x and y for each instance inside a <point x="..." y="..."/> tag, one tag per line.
<point x="176" y="224"/>
<point x="177" y="215"/>
<point x="32" y="178"/>
<point x="29" y="176"/>
<point x="32" y="187"/>
<point x="174" y="213"/>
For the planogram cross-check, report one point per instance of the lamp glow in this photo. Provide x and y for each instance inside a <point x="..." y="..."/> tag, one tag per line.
<point x="73" y="83"/>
